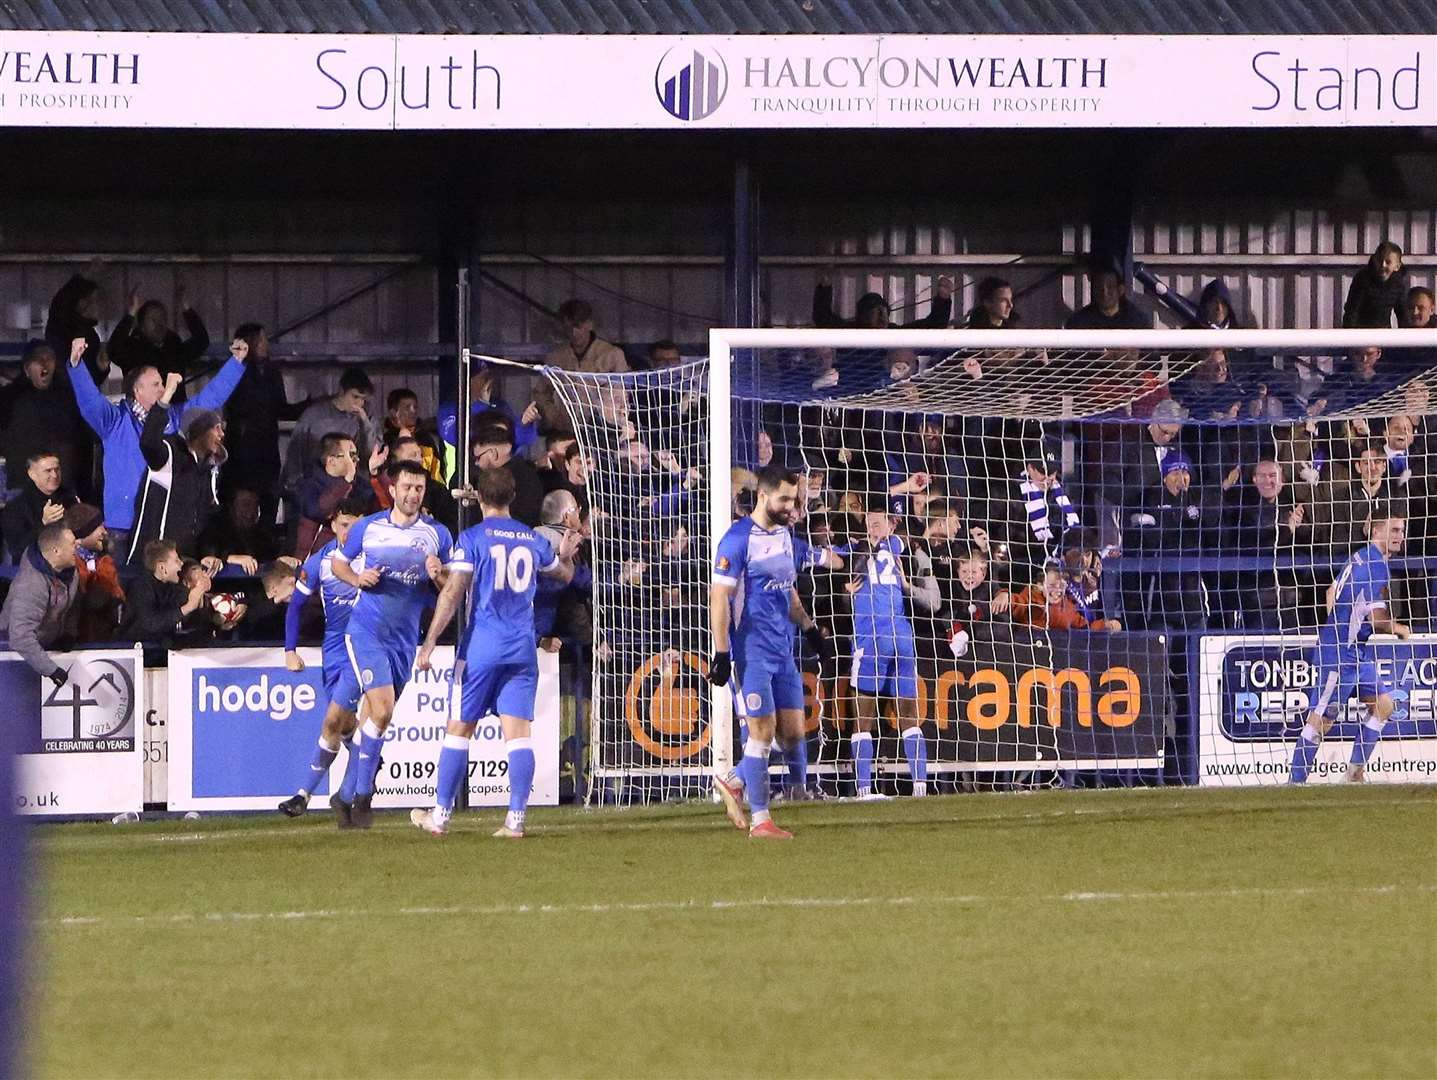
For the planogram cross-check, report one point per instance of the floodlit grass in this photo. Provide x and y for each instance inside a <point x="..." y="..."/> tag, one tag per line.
<point x="1154" y="933"/>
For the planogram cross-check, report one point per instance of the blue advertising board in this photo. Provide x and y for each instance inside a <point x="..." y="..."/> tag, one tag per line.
<point x="1253" y="694"/>
<point x="243" y="727"/>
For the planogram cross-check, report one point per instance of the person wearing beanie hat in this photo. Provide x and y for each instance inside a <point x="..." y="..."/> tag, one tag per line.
<point x="1131" y="467"/>
<point x="198" y="423"/>
<point x="1177" y="461"/>
<point x="180" y="491"/>
<point x="100" y="593"/>
<point x="1174" y="519"/>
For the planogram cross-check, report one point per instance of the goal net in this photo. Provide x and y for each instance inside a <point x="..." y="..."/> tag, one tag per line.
<point x="1064" y="558"/>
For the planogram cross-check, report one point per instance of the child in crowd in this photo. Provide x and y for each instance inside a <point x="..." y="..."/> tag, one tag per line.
<point x="977" y="601"/>
<point x="1055" y="604"/>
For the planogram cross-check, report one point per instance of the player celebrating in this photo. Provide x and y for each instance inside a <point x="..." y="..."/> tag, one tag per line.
<point x="753" y="595"/>
<point x="1357" y="602"/>
<point x="495" y="562"/>
<point x="341" y="686"/>
<point x="885" y="657"/>
<point x="400" y="548"/>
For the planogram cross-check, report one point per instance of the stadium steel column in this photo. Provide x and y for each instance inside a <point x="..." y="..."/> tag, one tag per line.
<point x="463" y="459"/>
<point x="743" y="271"/>
<point x="462" y="404"/>
<point x="743" y="248"/>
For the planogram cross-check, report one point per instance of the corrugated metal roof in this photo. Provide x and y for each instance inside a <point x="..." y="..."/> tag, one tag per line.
<point x="723" y="16"/>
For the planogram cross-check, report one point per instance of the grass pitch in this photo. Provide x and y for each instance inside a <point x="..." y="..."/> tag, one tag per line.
<point x="1157" y="933"/>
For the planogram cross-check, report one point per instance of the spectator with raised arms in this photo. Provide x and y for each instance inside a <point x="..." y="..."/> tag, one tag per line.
<point x="119" y="427"/>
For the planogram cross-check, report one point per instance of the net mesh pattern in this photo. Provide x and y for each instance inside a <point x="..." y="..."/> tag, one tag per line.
<point x="1088" y="566"/>
<point x="645" y="444"/>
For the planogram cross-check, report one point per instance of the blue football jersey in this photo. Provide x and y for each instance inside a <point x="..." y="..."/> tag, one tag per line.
<point x="506" y="559"/>
<point x="762" y="566"/>
<point x="337" y="597"/>
<point x="390" y="611"/>
<point x="878" y="605"/>
<point x="1360" y="589"/>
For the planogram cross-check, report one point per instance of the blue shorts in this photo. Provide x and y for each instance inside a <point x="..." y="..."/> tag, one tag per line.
<point x="885" y="667"/>
<point x="341" y="684"/>
<point x="498" y="690"/>
<point x="377" y="664"/>
<point x="766" y="685"/>
<point x="1342" y="672"/>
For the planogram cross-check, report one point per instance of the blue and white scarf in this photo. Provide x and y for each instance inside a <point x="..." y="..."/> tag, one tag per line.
<point x="1035" y="500"/>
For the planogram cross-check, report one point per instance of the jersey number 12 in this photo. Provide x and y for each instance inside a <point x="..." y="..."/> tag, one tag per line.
<point x="882" y="569"/>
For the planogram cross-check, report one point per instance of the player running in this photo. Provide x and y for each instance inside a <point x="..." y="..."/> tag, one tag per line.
<point x="400" y="548"/>
<point x="341" y="687"/>
<point x="885" y="656"/>
<point x="495" y="562"/>
<point x="754" y="596"/>
<point x="1357" y="602"/>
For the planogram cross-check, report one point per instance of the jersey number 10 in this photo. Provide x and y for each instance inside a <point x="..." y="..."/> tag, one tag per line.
<point x="513" y="570"/>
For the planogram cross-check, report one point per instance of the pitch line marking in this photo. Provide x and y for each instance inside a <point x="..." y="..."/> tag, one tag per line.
<point x="698" y="906"/>
<point x="608" y="820"/>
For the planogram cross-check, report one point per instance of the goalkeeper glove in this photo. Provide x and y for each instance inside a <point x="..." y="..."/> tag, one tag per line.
<point x="720" y="668"/>
<point x="819" y="642"/>
<point x="59" y="677"/>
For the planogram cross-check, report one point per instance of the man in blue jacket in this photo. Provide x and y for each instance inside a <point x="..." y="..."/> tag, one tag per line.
<point x="119" y="428"/>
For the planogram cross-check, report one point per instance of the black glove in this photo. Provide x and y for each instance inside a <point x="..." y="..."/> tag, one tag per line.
<point x="820" y="643"/>
<point x="720" y="668"/>
<point x="59" y="677"/>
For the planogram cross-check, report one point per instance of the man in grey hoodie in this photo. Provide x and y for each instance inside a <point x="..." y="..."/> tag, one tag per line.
<point x="346" y="413"/>
<point x="37" y="612"/>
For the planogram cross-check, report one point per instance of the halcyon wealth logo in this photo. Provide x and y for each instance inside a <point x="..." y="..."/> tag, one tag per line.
<point x="690" y="83"/>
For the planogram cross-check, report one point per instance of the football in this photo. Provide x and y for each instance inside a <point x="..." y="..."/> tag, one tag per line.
<point x="226" y="609"/>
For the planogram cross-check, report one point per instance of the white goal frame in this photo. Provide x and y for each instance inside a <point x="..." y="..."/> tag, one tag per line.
<point x="724" y="340"/>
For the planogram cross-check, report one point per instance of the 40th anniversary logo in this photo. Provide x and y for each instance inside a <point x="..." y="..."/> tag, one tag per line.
<point x="93" y="711"/>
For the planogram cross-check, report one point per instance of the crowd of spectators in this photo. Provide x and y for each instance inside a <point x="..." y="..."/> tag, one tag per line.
<point x="1221" y="497"/>
<point x="177" y="511"/>
<point x="135" y="514"/>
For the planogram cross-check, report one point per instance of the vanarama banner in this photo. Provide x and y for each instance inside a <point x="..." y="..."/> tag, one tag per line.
<point x="1063" y="701"/>
<point x="570" y="82"/>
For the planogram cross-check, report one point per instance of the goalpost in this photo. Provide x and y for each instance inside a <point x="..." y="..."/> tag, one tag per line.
<point x="1185" y="497"/>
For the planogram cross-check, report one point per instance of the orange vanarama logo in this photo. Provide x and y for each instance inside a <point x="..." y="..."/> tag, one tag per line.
<point x="666" y="708"/>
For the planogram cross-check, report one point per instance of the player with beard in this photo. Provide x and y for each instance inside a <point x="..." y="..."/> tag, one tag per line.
<point x="753" y="608"/>
<point x="401" y="568"/>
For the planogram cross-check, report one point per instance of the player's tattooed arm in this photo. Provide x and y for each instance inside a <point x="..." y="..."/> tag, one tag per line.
<point x="450" y="597"/>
